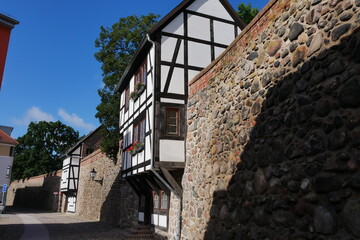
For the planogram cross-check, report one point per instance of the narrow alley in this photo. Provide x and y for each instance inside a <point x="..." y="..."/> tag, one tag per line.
<point x="29" y="224"/>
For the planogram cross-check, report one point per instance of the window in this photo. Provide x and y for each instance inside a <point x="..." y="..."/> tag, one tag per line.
<point x="11" y="154"/>
<point x="156" y="200"/>
<point x="139" y="132"/>
<point x="164" y="201"/>
<point x="141" y="74"/>
<point x="160" y="200"/>
<point x="127" y="98"/>
<point x="8" y="172"/>
<point x="172" y="120"/>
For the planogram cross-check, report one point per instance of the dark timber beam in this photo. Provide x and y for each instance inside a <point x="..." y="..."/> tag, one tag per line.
<point x="170" y="165"/>
<point x="172" y="181"/>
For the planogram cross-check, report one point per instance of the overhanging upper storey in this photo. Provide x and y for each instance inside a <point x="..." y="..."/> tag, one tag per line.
<point x="154" y="87"/>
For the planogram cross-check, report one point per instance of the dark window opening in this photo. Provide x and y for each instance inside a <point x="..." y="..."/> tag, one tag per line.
<point x="127" y="98"/>
<point x="139" y="132"/>
<point x="172" y="121"/>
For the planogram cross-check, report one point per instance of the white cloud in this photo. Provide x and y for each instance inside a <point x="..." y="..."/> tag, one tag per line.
<point x="34" y="114"/>
<point x="75" y="120"/>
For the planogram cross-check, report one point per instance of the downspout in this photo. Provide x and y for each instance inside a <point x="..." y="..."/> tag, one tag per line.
<point x="178" y="230"/>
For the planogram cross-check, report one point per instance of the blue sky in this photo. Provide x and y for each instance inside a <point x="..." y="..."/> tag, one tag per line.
<point x="51" y="73"/>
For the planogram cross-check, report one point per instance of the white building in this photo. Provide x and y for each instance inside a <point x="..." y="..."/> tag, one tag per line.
<point x="71" y="167"/>
<point x="7" y="147"/>
<point x="154" y="92"/>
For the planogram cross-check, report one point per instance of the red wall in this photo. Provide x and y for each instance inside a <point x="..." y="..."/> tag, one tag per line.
<point x="4" y="42"/>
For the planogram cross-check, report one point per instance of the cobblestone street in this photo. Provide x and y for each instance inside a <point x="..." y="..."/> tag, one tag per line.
<point x="28" y="224"/>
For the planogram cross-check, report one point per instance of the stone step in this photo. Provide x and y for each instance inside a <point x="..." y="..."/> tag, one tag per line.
<point x="137" y="233"/>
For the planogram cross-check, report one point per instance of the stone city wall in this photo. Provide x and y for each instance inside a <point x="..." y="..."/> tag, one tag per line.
<point x="274" y="128"/>
<point x="108" y="198"/>
<point x="40" y="192"/>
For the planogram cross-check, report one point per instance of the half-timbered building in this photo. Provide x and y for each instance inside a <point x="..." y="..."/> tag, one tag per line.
<point x="154" y="91"/>
<point x="71" y="166"/>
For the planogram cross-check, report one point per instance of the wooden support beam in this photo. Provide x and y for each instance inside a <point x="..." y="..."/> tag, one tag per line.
<point x="172" y="181"/>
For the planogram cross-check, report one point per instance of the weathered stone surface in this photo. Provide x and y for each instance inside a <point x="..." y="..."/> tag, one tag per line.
<point x="284" y="218"/>
<point x="351" y="216"/>
<point x="337" y="140"/>
<point x="299" y="55"/>
<point x="349" y="94"/>
<point x="325" y="219"/>
<point x="289" y="161"/>
<point x="314" y="144"/>
<point x="253" y="55"/>
<point x="260" y="183"/>
<point x="339" y="31"/>
<point x="316" y="43"/>
<point x="327" y="184"/>
<point x="295" y="30"/>
<point x="273" y="47"/>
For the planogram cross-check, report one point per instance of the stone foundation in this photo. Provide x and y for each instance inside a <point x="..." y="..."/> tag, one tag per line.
<point x="274" y="128"/>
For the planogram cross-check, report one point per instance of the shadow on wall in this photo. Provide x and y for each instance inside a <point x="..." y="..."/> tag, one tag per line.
<point x="299" y="173"/>
<point x="120" y="205"/>
<point x="39" y="197"/>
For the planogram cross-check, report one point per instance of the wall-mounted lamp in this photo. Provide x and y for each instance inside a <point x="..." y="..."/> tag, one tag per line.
<point x="93" y="175"/>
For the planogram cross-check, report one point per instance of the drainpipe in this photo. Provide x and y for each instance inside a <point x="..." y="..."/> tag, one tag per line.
<point x="178" y="230"/>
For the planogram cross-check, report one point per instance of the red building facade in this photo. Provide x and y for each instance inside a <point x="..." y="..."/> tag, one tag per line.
<point x="6" y="24"/>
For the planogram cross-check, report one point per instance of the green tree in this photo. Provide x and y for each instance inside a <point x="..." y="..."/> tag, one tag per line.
<point x="41" y="147"/>
<point x="116" y="46"/>
<point x="246" y="12"/>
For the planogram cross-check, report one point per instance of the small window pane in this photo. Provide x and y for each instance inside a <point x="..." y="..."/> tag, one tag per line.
<point x="172" y="121"/>
<point x="156" y="200"/>
<point x="164" y="201"/>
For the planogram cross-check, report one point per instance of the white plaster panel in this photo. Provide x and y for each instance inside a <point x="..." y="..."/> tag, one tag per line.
<point x="64" y="179"/>
<point x="66" y="161"/>
<point x="147" y="148"/>
<point x="147" y="167"/>
<point x="71" y="185"/>
<point x="177" y="85"/>
<point x="172" y="150"/>
<point x="141" y="216"/>
<point x="219" y="51"/>
<point x="164" y="74"/>
<point x="76" y="172"/>
<point x="210" y="7"/>
<point x="77" y="151"/>
<point x="162" y="221"/>
<point x="192" y="74"/>
<point x="75" y="161"/>
<point x="224" y="33"/>
<point x="140" y="156"/>
<point x="199" y="54"/>
<point x="155" y="219"/>
<point x="198" y="27"/>
<point x="170" y="100"/>
<point x="141" y="170"/>
<point x="167" y="48"/>
<point x="71" y="207"/>
<point x="176" y="26"/>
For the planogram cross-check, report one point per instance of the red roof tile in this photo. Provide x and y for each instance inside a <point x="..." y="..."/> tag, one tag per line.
<point x="4" y="138"/>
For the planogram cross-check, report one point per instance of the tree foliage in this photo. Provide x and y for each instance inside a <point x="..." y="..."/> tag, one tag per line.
<point x="246" y="12"/>
<point x="41" y="147"/>
<point x="116" y="46"/>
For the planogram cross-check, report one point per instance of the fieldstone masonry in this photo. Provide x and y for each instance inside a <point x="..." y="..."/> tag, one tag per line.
<point x="41" y="192"/>
<point x="273" y="149"/>
<point x="109" y="198"/>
